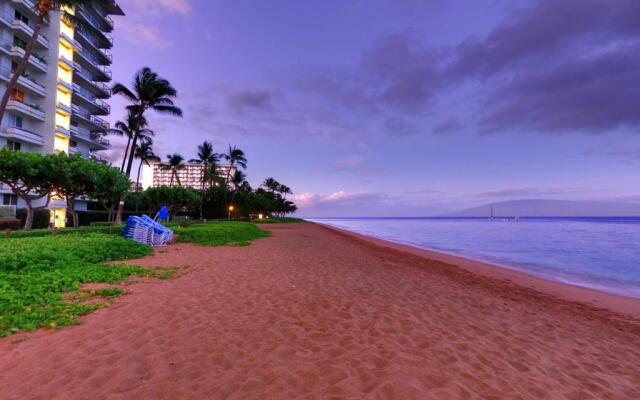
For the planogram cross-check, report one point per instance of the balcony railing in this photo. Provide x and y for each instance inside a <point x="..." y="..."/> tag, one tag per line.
<point x="89" y="97"/>
<point x="29" y="109"/>
<point x="28" y="29"/>
<point x="94" y="21"/>
<point x="84" y="114"/>
<point x="98" y="157"/>
<point x="106" y="90"/>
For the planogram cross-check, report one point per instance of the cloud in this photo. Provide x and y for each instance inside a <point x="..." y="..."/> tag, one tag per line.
<point x="399" y="126"/>
<point x="557" y="67"/>
<point x="159" y="7"/>
<point x="530" y="191"/>
<point x="346" y="163"/>
<point x="548" y="67"/>
<point x="250" y="100"/>
<point x="143" y="35"/>
<point x="447" y="126"/>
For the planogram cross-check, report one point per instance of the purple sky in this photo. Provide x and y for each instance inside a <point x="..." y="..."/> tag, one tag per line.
<point x="401" y="107"/>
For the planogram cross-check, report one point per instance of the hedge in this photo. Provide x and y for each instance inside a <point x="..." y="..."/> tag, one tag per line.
<point x="41" y="217"/>
<point x="112" y="229"/>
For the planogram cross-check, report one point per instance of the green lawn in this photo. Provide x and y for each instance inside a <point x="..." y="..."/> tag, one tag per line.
<point x="279" y="220"/>
<point x="35" y="274"/>
<point x="219" y="233"/>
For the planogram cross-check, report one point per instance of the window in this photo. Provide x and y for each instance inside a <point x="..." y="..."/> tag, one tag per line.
<point x="15" y="121"/>
<point x="17" y="95"/>
<point x="13" y="145"/>
<point x="21" y="17"/>
<point x="19" y="42"/>
<point x="9" y="200"/>
<point x="73" y="143"/>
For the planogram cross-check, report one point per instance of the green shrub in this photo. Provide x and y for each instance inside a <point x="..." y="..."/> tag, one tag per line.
<point x="9" y="223"/>
<point x="36" y="272"/>
<point x="278" y="220"/>
<point x="41" y="217"/>
<point x="110" y="229"/>
<point x="219" y="233"/>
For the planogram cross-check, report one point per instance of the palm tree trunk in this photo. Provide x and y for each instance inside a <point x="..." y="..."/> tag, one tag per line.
<point x="132" y="151"/>
<point x="138" y="183"/>
<point x="204" y="176"/>
<point x="178" y="179"/>
<point x="126" y="152"/>
<point x="22" y="64"/>
<point x="226" y="181"/>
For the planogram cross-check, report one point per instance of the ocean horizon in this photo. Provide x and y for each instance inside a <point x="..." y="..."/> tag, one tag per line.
<point x="601" y="253"/>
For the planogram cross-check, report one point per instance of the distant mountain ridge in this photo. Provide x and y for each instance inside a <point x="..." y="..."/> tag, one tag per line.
<point x="552" y="208"/>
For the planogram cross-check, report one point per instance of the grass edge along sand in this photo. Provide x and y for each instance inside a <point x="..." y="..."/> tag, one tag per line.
<point x="38" y="274"/>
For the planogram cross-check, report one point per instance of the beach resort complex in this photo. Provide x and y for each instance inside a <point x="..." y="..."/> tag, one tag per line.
<point x="59" y="102"/>
<point x="157" y="174"/>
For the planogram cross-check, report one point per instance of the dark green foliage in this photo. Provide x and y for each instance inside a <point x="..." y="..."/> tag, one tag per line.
<point x="40" y="217"/>
<point x="109" y="229"/>
<point x="278" y="220"/>
<point x="36" y="272"/>
<point x="9" y="223"/>
<point x="219" y="233"/>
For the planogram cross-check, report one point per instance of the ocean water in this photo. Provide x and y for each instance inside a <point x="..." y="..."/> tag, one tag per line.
<point x="599" y="253"/>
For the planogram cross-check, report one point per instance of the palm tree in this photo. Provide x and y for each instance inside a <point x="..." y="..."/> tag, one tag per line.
<point x="150" y="92"/>
<point x="235" y="157"/>
<point x="144" y="152"/>
<point x="207" y="157"/>
<point x="42" y="8"/>
<point x="271" y="184"/>
<point x="127" y="128"/>
<point x="174" y="164"/>
<point x="238" y="179"/>
<point x="284" y="190"/>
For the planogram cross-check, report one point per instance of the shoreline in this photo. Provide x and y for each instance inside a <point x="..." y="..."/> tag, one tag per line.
<point x="566" y="291"/>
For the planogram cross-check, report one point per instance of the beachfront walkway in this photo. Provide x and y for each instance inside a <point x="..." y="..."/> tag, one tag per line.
<point x="309" y="313"/>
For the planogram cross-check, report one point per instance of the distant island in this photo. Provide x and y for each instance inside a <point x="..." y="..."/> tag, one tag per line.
<point x="551" y="208"/>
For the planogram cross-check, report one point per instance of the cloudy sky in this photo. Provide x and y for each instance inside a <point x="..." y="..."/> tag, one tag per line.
<point x="401" y="107"/>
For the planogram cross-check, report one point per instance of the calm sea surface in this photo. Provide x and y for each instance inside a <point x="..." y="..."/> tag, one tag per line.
<point x="600" y="253"/>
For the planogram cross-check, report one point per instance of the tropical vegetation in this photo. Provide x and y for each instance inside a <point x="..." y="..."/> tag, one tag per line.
<point x="37" y="276"/>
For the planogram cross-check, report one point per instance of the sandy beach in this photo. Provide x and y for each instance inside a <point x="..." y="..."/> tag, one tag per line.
<point x="315" y="313"/>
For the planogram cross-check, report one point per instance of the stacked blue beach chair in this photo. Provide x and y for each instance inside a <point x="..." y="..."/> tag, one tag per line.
<point x="145" y="230"/>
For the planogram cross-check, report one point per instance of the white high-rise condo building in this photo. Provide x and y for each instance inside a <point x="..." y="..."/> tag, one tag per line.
<point x="59" y="103"/>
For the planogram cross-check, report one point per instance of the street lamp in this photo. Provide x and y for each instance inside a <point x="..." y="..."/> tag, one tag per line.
<point x="230" y="209"/>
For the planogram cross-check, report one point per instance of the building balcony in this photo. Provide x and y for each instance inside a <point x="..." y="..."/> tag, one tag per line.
<point x="98" y="89"/>
<point x="64" y="108"/>
<point x="99" y="24"/>
<point x="27" y="83"/>
<point x="98" y="158"/>
<point x="28" y="7"/>
<point x="21" y="135"/>
<point x="26" y="110"/>
<point x="26" y="32"/>
<point x="102" y="55"/>
<point x="35" y="61"/>
<point x="90" y="63"/>
<point x="70" y="42"/>
<point x="60" y="131"/>
<point x="93" y="140"/>
<point x="69" y="64"/>
<point x="85" y="98"/>
<point x="65" y="86"/>
<point x="84" y="116"/>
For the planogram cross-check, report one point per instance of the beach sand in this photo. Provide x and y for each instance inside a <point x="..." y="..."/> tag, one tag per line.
<point x="315" y="313"/>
